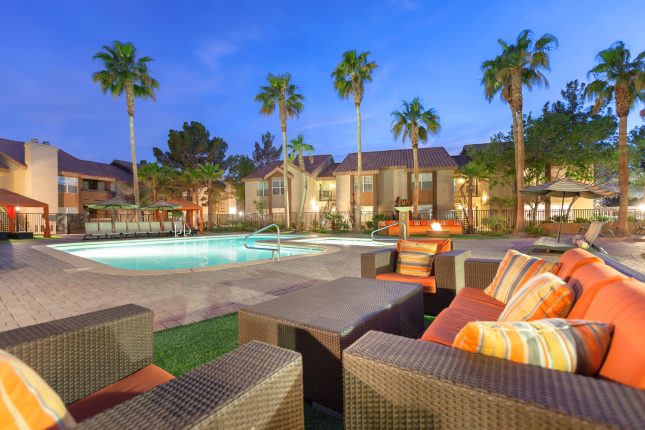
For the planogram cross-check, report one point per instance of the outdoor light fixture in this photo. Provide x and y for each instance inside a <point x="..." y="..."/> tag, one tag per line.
<point x="332" y="186"/>
<point x="641" y="207"/>
<point x="240" y="213"/>
<point x="484" y="197"/>
<point x="17" y="208"/>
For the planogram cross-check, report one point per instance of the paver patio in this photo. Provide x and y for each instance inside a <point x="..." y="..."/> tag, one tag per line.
<point x="35" y="287"/>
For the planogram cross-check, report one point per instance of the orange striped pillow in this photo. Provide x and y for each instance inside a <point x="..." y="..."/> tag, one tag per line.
<point x="574" y="346"/>
<point x="543" y="296"/>
<point x="26" y="401"/>
<point x="514" y="271"/>
<point x="415" y="259"/>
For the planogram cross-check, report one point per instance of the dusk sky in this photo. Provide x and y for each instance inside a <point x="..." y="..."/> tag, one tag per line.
<point x="211" y="58"/>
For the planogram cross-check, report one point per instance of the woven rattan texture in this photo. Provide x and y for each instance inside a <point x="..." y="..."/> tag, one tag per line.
<point x="479" y="273"/>
<point x="396" y="383"/>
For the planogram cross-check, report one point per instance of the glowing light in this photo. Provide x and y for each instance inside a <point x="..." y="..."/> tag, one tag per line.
<point x="314" y="205"/>
<point x="436" y="226"/>
<point x="332" y="186"/>
<point x="240" y="213"/>
<point x="460" y="180"/>
<point x="232" y="211"/>
<point x="17" y="208"/>
<point x="641" y="207"/>
<point x="484" y="197"/>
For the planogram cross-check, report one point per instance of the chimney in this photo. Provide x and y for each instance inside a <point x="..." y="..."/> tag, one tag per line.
<point x="46" y="142"/>
<point x="34" y="140"/>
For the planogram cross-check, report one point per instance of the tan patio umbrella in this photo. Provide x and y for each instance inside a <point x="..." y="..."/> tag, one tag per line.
<point x="163" y="207"/>
<point x="113" y="203"/>
<point x="568" y="188"/>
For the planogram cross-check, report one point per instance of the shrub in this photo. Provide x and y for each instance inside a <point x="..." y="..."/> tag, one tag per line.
<point x="373" y="224"/>
<point x="534" y="229"/>
<point x="495" y="224"/>
<point x="580" y="220"/>
<point x="602" y="218"/>
<point x="559" y="218"/>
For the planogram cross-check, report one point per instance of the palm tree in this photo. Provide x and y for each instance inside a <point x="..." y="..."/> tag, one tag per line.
<point x="297" y="148"/>
<point x="617" y="77"/>
<point x="153" y="176"/>
<point x="124" y="72"/>
<point x="281" y="92"/>
<point x="349" y="78"/>
<point x="495" y="82"/>
<point x="208" y="175"/>
<point x="416" y="123"/>
<point x="520" y="64"/>
<point x="472" y="173"/>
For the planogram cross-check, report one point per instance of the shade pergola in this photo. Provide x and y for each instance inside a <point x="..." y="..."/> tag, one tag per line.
<point x="11" y="200"/>
<point x="190" y="208"/>
<point x="568" y="188"/>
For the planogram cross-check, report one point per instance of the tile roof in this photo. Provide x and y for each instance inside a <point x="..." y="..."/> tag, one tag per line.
<point x="462" y="158"/>
<point x="318" y="162"/>
<point x="435" y="157"/>
<point x="328" y="172"/>
<point x="68" y="163"/>
<point x="13" y="149"/>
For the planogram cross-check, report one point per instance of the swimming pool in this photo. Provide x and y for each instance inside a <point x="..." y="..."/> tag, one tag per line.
<point x="348" y="241"/>
<point x="179" y="253"/>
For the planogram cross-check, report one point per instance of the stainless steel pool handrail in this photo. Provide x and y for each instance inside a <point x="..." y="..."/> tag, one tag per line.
<point x="405" y="231"/>
<point x="273" y="250"/>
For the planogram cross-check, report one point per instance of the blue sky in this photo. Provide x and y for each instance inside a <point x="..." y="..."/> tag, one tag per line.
<point x="212" y="57"/>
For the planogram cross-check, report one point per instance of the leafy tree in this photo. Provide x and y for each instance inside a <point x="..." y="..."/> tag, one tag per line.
<point x="636" y="144"/>
<point x="125" y="73"/>
<point x="265" y="153"/>
<point x="521" y="64"/>
<point x="238" y="167"/>
<point x="619" y="78"/>
<point x="472" y="172"/>
<point x="154" y="176"/>
<point x="297" y="148"/>
<point x="416" y="123"/>
<point x="191" y="147"/>
<point x="209" y="175"/>
<point x="349" y="78"/>
<point x="281" y="92"/>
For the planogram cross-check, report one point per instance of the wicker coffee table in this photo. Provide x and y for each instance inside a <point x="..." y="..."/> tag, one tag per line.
<point x="321" y="321"/>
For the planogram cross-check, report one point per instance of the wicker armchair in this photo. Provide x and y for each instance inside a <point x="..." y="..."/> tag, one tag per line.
<point x="392" y="382"/>
<point x="255" y="386"/>
<point x="448" y="271"/>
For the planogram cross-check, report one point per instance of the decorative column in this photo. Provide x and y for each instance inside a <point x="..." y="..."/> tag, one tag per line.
<point x="404" y="217"/>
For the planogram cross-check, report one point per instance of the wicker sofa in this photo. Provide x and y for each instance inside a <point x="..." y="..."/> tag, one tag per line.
<point x="84" y="357"/>
<point x="439" y="289"/>
<point x="395" y="382"/>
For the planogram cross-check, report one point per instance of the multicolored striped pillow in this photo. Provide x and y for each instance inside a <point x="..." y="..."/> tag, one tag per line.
<point x="543" y="296"/>
<point x="514" y="271"/>
<point x="26" y="401"/>
<point x="574" y="346"/>
<point x="415" y="259"/>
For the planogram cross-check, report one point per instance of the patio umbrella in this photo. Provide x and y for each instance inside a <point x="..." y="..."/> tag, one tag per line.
<point x="566" y="187"/>
<point x="113" y="203"/>
<point x="162" y="206"/>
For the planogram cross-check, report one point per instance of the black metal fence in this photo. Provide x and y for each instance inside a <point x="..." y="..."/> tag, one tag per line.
<point x="483" y="220"/>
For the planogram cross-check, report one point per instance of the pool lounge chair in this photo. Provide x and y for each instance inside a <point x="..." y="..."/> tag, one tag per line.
<point x="168" y="228"/>
<point x="144" y="229"/>
<point x="92" y="231"/>
<point x="106" y="229"/>
<point x="155" y="228"/>
<point x="551" y="244"/>
<point x="122" y="229"/>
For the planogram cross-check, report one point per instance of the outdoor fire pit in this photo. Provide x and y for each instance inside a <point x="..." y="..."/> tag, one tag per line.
<point x="436" y="230"/>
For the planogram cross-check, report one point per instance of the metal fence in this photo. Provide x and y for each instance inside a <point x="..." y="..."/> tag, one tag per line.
<point x="483" y="220"/>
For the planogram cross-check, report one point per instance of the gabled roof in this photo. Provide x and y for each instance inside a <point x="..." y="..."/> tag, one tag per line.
<point x="429" y="158"/>
<point x="313" y="168"/>
<point x="69" y="164"/>
<point x="13" y="149"/>
<point x="328" y="171"/>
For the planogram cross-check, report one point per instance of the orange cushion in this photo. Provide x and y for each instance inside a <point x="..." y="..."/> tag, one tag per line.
<point x="479" y="295"/>
<point x="573" y="259"/>
<point x="566" y="345"/>
<point x="415" y="259"/>
<point x="587" y="281"/>
<point x="428" y="282"/>
<point x="443" y="245"/>
<point x="621" y="303"/>
<point x="483" y="310"/>
<point x="138" y="383"/>
<point x="543" y="296"/>
<point x="450" y="321"/>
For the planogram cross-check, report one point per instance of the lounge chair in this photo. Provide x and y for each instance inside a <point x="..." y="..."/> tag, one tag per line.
<point x="144" y="229"/>
<point x="92" y="231"/>
<point x="155" y="228"/>
<point x="254" y="386"/>
<point x="640" y="227"/>
<point x="168" y="228"/>
<point x="121" y="228"/>
<point x="106" y="229"/>
<point x="551" y="244"/>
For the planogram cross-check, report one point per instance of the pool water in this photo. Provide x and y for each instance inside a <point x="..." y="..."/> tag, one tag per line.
<point x="180" y="253"/>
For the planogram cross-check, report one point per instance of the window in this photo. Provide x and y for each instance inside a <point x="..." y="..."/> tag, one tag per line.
<point x="278" y="186"/>
<point x="325" y="191"/>
<point x="94" y="185"/>
<point x="263" y="189"/>
<point x="67" y="185"/>
<point x="425" y="181"/>
<point x="367" y="184"/>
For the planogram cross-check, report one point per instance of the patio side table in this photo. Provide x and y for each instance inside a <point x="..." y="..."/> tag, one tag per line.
<point x="323" y="320"/>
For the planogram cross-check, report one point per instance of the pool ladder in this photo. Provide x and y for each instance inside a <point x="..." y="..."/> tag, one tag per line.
<point x="273" y="250"/>
<point x="401" y="223"/>
<point x="184" y="230"/>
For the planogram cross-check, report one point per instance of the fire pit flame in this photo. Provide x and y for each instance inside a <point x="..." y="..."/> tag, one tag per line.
<point x="436" y="226"/>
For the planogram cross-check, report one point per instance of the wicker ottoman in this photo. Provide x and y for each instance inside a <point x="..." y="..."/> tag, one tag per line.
<point x="321" y="321"/>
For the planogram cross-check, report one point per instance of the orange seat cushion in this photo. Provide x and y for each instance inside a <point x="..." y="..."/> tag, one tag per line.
<point x="572" y="260"/>
<point x="621" y="303"/>
<point x="587" y="281"/>
<point x="450" y="321"/>
<point x="478" y="295"/>
<point x="138" y="383"/>
<point x="428" y="283"/>
<point x="484" y="310"/>
<point x="443" y="245"/>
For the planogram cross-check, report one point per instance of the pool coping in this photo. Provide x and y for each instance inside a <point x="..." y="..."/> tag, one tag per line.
<point x="86" y="265"/>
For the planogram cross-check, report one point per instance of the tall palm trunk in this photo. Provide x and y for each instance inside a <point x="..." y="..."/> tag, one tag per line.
<point x="129" y="98"/>
<point x="359" y="168"/>
<point x="623" y="176"/>
<point x="470" y="206"/>
<point x="303" y="195"/>
<point x="209" y="195"/>
<point x="415" y="172"/>
<point x="516" y="89"/>
<point x="285" y="165"/>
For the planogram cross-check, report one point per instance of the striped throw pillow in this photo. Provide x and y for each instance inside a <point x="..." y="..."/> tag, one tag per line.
<point x="26" y="401"/>
<point x="574" y="346"/>
<point x="514" y="271"/>
<point x="415" y="259"/>
<point x="543" y="296"/>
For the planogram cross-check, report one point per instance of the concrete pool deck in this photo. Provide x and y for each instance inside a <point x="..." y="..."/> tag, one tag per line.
<point x="36" y="287"/>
